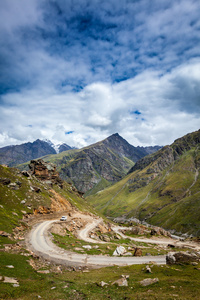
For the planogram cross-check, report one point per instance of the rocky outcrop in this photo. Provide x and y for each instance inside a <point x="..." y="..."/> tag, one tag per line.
<point x="45" y="172"/>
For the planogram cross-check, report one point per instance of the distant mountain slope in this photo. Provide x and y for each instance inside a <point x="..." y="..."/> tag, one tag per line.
<point x="94" y="167"/>
<point x="18" y="154"/>
<point x="162" y="188"/>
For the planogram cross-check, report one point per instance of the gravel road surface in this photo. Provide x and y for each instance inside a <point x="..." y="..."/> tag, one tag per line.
<point x="41" y="244"/>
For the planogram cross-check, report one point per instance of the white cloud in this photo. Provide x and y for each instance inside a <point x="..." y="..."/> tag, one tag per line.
<point x="102" y="109"/>
<point x="70" y="67"/>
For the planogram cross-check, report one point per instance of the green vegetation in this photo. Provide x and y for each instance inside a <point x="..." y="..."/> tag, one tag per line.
<point x="14" y="204"/>
<point x="175" y="282"/>
<point x="169" y="198"/>
<point x="71" y="243"/>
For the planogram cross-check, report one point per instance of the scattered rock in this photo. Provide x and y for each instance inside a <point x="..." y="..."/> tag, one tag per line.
<point x="5" y="181"/>
<point x="10" y="280"/>
<point x="88" y="247"/>
<point x="59" y="269"/>
<point x="42" y="210"/>
<point x="117" y="237"/>
<point x="159" y="231"/>
<point x="171" y="245"/>
<point x="102" y="229"/>
<point x="148" y="269"/>
<point x="170" y="259"/>
<point x="35" y="189"/>
<point x="96" y="246"/>
<point x="23" y="202"/>
<point x="181" y="257"/>
<point x="131" y="248"/>
<point x="13" y="186"/>
<point x="10" y="266"/>
<point x="148" y="281"/>
<point x="138" y="252"/>
<point x="104" y="238"/>
<point x="120" y="250"/>
<point x="4" y="234"/>
<point x="125" y="276"/>
<point x="78" y="249"/>
<point x="43" y="271"/>
<point x="53" y="288"/>
<point x="138" y="230"/>
<point x="121" y="282"/>
<point x="128" y="254"/>
<point x="102" y="283"/>
<point x="25" y="173"/>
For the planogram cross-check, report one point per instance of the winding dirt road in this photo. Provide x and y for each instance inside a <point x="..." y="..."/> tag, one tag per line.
<point x="41" y="244"/>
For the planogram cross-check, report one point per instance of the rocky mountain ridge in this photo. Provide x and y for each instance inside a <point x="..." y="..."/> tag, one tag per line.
<point x="94" y="167"/>
<point x="18" y="154"/>
<point x="168" y="154"/>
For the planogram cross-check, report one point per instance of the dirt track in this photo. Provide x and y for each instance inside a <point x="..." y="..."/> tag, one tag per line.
<point x="39" y="241"/>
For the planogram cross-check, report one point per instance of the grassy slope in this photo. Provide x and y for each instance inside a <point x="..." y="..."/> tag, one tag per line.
<point x="10" y="200"/>
<point x="180" y="280"/>
<point x="171" y="200"/>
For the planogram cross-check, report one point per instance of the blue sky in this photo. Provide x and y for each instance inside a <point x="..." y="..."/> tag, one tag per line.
<point x="77" y="71"/>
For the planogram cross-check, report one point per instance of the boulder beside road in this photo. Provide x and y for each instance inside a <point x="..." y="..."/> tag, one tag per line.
<point x="181" y="258"/>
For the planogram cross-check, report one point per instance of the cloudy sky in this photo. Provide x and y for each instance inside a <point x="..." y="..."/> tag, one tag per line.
<point x="77" y="71"/>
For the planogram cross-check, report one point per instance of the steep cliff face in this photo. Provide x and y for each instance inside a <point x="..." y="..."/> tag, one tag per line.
<point x="162" y="188"/>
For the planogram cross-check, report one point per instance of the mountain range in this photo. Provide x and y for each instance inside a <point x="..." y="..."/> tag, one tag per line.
<point x="123" y="181"/>
<point x="18" y="154"/>
<point x="162" y="188"/>
<point x="90" y="169"/>
<point x="99" y="165"/>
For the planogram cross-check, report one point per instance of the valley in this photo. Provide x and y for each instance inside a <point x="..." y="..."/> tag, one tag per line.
<point x="89" y="255"/>
<point x="161" y="189"/>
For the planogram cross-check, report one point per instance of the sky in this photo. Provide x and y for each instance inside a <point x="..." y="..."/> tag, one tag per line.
<point x="77" y="71"/>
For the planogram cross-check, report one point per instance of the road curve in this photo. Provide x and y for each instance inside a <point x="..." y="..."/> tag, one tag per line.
<point x="41" y="244"/>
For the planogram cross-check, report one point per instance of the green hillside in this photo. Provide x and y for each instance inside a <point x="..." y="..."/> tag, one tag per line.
<point x="22" y="195"/>
<point x="162" y="189"/>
